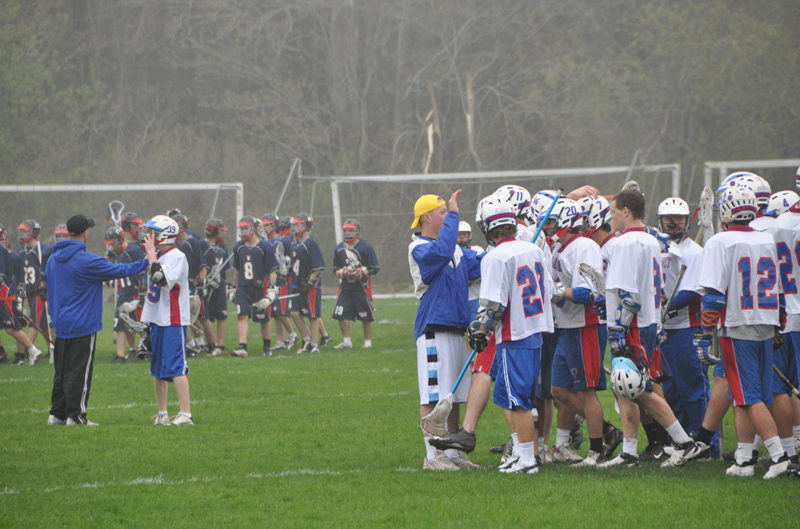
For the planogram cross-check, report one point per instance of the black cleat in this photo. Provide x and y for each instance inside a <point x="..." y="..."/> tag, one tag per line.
<point x="459" y="440"/>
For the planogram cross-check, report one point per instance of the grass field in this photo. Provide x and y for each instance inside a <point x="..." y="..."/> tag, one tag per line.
<point x="324" y="440"/>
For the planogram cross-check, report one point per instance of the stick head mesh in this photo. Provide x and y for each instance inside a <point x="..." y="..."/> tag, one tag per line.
<point x="435" y="423"/>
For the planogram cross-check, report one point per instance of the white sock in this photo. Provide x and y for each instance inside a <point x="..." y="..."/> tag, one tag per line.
<point x="796" y="431"/>
<point x="163" y="413"/>
<point x="367" y="343"/>
<point x="757" y="442"/>
<point x="526" y="457"/>
<point x="774" y="447"/>
<point x="199" y="342"/>
<point x="190" y="343"/>
<point x="630" y="446"/>
<point x="33" y="350"/>
<point x="451" y="453"/>
<point x="348" y="342"/>
<point x="788" y="446"/>
<point x="542" y="444"/>
<point x="678" y="434"/>
<point x="430" y="450"/>
<point x="186" y="414"/>
<point x="562" y="437"/>
<point x="744" y="453"/>
<point x="515" y="440"/>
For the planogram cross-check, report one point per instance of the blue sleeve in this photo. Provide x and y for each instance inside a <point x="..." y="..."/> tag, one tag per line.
<point x="269" y="258"/>
<point x="684" y="298"/>
<point x="235" y="258"/>
<point x="473" y="263"/>
<point x="204" y="248"/>
<point x="339" y="257"/>
<point x="314" y="253"/>
<point x="372" y="259"/>
<point x="102" y="269"/>
<point x="434" y="256"/>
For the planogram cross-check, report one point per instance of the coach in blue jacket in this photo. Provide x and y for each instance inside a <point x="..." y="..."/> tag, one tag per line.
<point x="441" y="273"/>
<point x="75" y="290"/>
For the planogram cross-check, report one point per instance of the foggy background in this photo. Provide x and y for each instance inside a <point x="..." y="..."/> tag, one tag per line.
<point x="147" y="91"/>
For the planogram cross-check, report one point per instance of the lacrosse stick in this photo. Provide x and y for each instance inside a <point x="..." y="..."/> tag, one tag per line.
<point x="704" y="215"/>
<point x="594" y="278"/>
<point x="283" y="262"/>
<point x="115" y="208"/>
<point x="216" y="271"/>
<point x="46" y="305"/>
<point x="668" y="305"/>
<point x="45" y="335"/>
<point x="353" y="263"/>
<point x="786" y="381"/>
<point x="131" y="324"/>
<point x="632" y="184"/>
<point x="435" y="423"/>
<point x="559" y="194"/>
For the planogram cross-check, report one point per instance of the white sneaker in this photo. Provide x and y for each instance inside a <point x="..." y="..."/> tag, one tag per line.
<point x="291" y="341"/>
<point x="55" y="421"/>
<point x="462" y="461"/>
<point x="508" y="463"/>
<point x="745" y="471"/>
<point x="440" y="462"/>
<point x="73" y="422"/>
<point x="313" y="349"/>
<point x="182" y="420"/>
<point x="592" y="459"/>
<point x="682" y="453"/>
<point x="239" y="353"/>
<point x="546" y="455"/>
<point x="778" y="468"/>
<point x="34" y="356"/>
<point x="160" y="419"/>
<point x="217" y="351"/>
<point x="344" y="345"/>
<point x="519" y="468"/>
<point x="279" y="346"/>
<point x="624" y="459"/>
<point x="565" y="454"/>
<point x="367" y="344"/>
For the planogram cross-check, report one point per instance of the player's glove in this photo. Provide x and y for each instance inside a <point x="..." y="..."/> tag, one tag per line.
<point x="272" y="294"/>
<point x="341" y="273"/>
<point x="307" y="284"/>
<point x="600" y="307"/>
<point x="663" y="239"/>
<point x="668" y="312"/>
<point x="478" y="339"/>
<point x="20" y="299"/>
<point x="231" y="293"/>
<point x="616" y="339"/>
<point x="157" y="276"/>
<point x="661" y="334"/>
<point x="361" y="272"/>
<point x="42" y="292"/>
<point x="702" y="343"/>
<point x="558" y="293"/>
<point x="201" y="286"/>
<point x="212" y="284"/>
<point x="582" y="296"/>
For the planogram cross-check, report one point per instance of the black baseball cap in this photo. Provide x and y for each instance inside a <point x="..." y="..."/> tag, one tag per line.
<point x="77" y="224"/>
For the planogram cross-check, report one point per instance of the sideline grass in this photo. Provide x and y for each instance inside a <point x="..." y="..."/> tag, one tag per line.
<point x="324" y="440"/>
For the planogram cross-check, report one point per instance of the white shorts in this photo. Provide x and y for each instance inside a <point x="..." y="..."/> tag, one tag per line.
<point x="440" y="358"/>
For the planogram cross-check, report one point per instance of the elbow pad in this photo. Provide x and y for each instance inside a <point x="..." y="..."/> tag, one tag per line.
<point x="713" y="303"/>
<point x="157" y="276"/>
<point x="628" y="308"/>
<point x="492" y="315"/>
<point x="582" y="296"/>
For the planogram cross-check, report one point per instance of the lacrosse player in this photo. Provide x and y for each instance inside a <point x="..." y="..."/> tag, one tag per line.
<point x="685" y="380"/>
<point x="762" y="191"/>
<point x="11" y="296"/>
<point x="119" y="251"/>
<point x="441" y="274"/>
<point x="132" y="224"/>
<point x="34" y="260"/>
<point x="61" y="233"/>
<point x="465" y="241"/>
<point x="577" y="371"/>
<point x="741" y="304"/>
<point x="633" y="296"/>
<point x="167" y="311"/>
<point x="307" y="265"/>
<point x="216" y="302"/>
<point x="194" y="249"/>
<point x="282" y="308"/>
<point x="255" y="276"/>
<point x="516" y="290"/>
<point x="354" y="263"/>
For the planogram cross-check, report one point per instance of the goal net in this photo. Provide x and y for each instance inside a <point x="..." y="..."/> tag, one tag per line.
<point x="384" y="204"/>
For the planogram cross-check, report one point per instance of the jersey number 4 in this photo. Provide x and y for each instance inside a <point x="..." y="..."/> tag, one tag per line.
<point x="532" y="288"/>
<point x="767" y="278"/>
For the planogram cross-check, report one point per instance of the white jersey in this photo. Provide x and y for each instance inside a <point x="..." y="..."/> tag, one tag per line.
<point x="169" y="304"/>
<point x="764" y="223"/>
<point x="517" y="275"/>
<point x="635" y="266"/>
<point x="606" y="249"/>
<point x="475" y="285"/>
<point x="524" y="233"/>
<point x="578" y="250"/>
<point x="692" y="257"/>
<point x="787" y="237"/>
<point x="741" y="264"/>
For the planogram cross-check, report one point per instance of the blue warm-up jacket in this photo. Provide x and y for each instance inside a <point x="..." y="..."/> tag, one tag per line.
<point x="441" y="273"/>
<point x="75" y="287"/>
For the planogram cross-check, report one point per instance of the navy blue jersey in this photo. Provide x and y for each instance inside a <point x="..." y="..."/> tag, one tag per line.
<point x="129" y="286"/>
<point x="31" y="267"/>
<point x="254" y="263"/>
<point x="14" y="272"/>
<point x="192" y="249"/>
<point x="216" y="255"/>
<point x="366" y="257"/>
<point x="5" y="265"/>
<point x="306" y="258"/>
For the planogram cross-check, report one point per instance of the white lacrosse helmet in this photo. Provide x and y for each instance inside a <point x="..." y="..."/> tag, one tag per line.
<point x="464" y="227"/>
<point x="627" y="381"/>
<point x="517" y="196"/>
<point x="797" y="179"/>
<point x="165" y="229"/>
<point x="674" y="206"/>
<point x="541" y="202"/>
<point x="737" y="204"/>
<point x="567" y="215"/>
<point x="596" y="214"/>
<point x="495" y="212"/>
<point x="758" y="184"/>
<point x="780" y="202"/>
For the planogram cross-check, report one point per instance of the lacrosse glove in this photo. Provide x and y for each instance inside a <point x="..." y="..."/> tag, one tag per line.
<point x="702" y="343"/>
<point x="478" y="339"/>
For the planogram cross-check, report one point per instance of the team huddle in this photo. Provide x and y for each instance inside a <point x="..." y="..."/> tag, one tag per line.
<point x="566" y="276"/>
<point x="276" y="267"/>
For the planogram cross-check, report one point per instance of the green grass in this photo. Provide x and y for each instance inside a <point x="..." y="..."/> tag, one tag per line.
<point x="326" y="440"/>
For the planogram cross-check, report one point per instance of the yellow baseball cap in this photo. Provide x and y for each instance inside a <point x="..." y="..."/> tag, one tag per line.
<point x="425" y="204"/>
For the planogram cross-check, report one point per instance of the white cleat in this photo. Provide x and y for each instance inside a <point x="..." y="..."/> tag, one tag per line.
<point x="778" y="468"/>
<point x="182" y="420"/>
<point x="73" y="422"/>
<point x="745" y="471"/>
<point x="592" y="459"/>
<point x="565" y="454"/>
<point x="462" y="461"/>
<point x="160" y="419"/>
<point x="34" y="356"/>
<point x="344" y="345"/>
<point x="440" y="462"/>
<point x="519" y="468"/>
<point x="55" y="421"/>
<point x="546" y="455"/>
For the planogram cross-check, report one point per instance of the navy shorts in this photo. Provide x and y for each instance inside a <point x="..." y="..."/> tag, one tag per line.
<point x="216" y="305"/>
<point x="119" y="325"/>
<point x="168" y="345"/>
<point x="38" y="314"/>
<point x="352" y="305"/>
<point x="9" y="317"/>
<point x="578" y="362"/>
<point x="282" y="307"/>
<point x="309" y="305"/>
<point x="748" y="368"/>
<point x="245" y="297"/>
<point x="785" y="360"/>
<point x="549" y="343"/>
